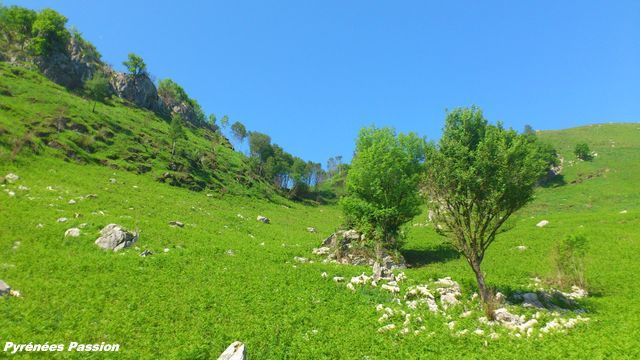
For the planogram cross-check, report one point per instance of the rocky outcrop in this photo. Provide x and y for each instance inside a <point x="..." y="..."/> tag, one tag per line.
<point x="113" y="237"/>
<point x="70" y="67"/>
<point x="139" y="90"/>
<point x="343" y="247"/>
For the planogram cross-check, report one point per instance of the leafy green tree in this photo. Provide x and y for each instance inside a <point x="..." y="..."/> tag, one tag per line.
<point x="475" y="178"/>
<point x="135" y="65"/>
<point x="212" y="120"/>
<point x="49" y="32"/>
<point x="239" y="131"/>
<point x="224" y="122"/>
<point x="176" y="132"/>
<point x="528" y="130"/>
<point x="582" y="151"/>
<point x="16" y="24"/>
<point x="98" y="88"/>
<point x="382" y="185"/>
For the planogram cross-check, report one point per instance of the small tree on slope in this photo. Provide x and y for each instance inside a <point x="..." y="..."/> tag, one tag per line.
<point x="476" y="177"/>
<point x="382" y="184"/>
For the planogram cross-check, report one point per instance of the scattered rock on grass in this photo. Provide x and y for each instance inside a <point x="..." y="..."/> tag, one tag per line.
<point x="521" y="248"/>
<point x="542" y="223"/>
<point x="114" y="237"/>
<point x="146" y="253"/>
<point x="73" y="232"/>
<point x="235" y="351"/>
<point x="62" y="219"/>
<point x="263" y="219"/>
<point x="176" y="223"/>
<point x="11" y="178"/>
<point x="312" y="230"/>
<point x="4" y="288"/>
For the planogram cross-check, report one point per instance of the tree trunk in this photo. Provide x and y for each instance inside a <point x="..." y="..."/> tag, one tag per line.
<point x="173" y="149"/>
<point x="94" y="107"/>
<point x="482" y="287"/>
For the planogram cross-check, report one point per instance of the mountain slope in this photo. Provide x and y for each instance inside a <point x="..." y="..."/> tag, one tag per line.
<point x="38" y="117"/>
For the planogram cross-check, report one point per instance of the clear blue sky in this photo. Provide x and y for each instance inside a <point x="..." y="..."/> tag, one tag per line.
<point x="311" y="73"/>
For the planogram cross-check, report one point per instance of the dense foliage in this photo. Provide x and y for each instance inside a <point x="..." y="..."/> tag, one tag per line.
<point x="582" y="151"/>
<point x="476" y="177"/>
<point x="382" y="183"/>
<point x="135" y="65"/>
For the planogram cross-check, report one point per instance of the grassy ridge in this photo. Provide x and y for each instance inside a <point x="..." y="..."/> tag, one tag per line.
<point x="195" y="299"/>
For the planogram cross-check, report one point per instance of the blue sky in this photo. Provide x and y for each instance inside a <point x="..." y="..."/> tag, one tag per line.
<point x="311" y="73"/>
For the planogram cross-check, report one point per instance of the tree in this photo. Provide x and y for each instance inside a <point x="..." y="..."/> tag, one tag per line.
<point x="475" y="178"/>
<point x="582" y="151"/>
<point x="49" y="32"/>
<point x="224" y="122"/>
<point x="135" y="65"/>
<point x="16" y="24"/>
<point x="382" y="183"/>
<point x="528" y="130"/>
<point x="212" y="120"/>
<point x="98" y="88"/>
<point x="239" y="131"/>
<point x="176" y="132"/>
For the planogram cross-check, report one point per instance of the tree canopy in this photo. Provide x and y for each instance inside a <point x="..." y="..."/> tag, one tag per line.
<point x="135" y="65"/>
<point x="475" y="178"/>
<point x="382" y="183"/>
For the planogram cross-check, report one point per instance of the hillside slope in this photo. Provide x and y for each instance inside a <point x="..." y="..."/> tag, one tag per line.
<point x="39" y="117"/>
<point x="226" y="277"/>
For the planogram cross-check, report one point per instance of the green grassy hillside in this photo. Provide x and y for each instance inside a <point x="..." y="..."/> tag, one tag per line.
<point x="42" y="118"/>
<point x="225" y="276"/>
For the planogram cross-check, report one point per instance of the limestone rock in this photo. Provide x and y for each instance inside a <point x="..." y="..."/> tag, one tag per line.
<point x="11" y="178"/>
<point x="311" y="229"/>
<point x="4" y="288"/>
<point x="114" y="237"/>
<point x="176" y="223"/>
<point x="542" y="223"/>
<point x="73" y="232"/>
<point x="139" y="90"/>
<point x="263" y="219"/>
<point x="235" y="351"/>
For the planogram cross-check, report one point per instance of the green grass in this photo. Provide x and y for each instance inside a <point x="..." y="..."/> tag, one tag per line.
<point x="196" y="299"/>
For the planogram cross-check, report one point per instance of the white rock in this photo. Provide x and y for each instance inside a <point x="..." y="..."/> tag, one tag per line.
<point x="338" y="279"/>
<point x="62" y="219"/>
<point x="379" y="307"/>
<point x="263" y="219"/>
<point x="71" y="202"/>
<point x="324" y="275"/>
<point x="521" y="248"/>
<point x="479" y="332"/>
<point x="311" y="229"/>
<point x="114" y="237"/>
<point x="623" y="212"/>
<point x="166" y="250"/>
<point x="73" y="232"/>
<point x="300" y="259"/>
<point x="387" y="328"/>
<point x="22" y="188"/>
<point x="11" y="193"/>
<point x="393" y="289"/>
<point x="321" y="250"/>
<point x="11" y="178"/>
<point x="235" y="351"/>
<point x="542" y="223"/>
<point x="466" y="314"/>
<point x="351" y="287"/>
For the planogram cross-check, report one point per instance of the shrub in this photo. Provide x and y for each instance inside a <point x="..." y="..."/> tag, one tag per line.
<point x="49" y="32"/>
<point x="382" y="184"/>
<point x="569" y="261"/>
<point x="582" y="151"/>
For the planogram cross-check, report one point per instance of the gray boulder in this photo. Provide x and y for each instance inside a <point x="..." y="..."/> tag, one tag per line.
<point x="70" y="67"/>
<point x="114" y="237"/>
<point x="139" y="90"/>
<point x="235" y="351"/>
<point x="263" y="219"/>
<point x="4" y="288"/>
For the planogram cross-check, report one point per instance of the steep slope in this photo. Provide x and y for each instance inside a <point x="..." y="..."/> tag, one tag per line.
<point x="40" y="118"/>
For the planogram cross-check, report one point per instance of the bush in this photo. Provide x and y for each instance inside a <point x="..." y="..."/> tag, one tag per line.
<point x="582" y="151"/>
<point x="569" y="261"/>
<point x="382" y="184"/>
<point x="49" y="32"/>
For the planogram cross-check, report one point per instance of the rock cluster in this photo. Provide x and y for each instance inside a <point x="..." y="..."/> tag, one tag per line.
<point x="114" y="237"/>
<point x="341" y="248"/>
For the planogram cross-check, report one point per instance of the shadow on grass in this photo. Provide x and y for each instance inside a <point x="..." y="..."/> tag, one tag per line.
<point x="554" y="181"/>
<point x="421" y="257"/>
